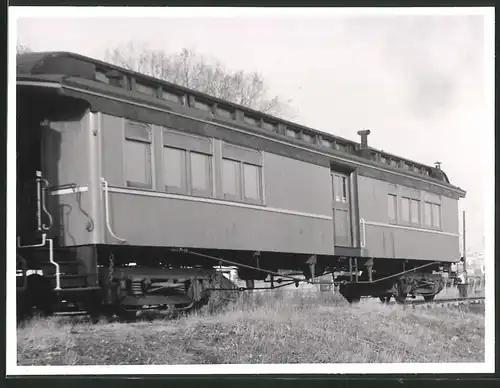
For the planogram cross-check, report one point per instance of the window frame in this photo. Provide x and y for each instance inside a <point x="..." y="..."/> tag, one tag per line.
<point x="403" y="221"/>
<point x="184" y="182"/>
<point x="417" y="201"/>
<point x="202" y="104"/>
<point x="209" y="170"/>
<point x="292" y="133"/>
<point x="340" y="188"/>
<point x="241" y="161"/>
<point x="239" y="194"/>
<point x="259" y="182"/>
<point x="130" y="138"/>
<point x="423" y="204"/>
<point x="340" y="146"/>
<point x="186" y="173"/>
<point x="269" y="126"/>
<point x="326" y="143"/>
<point x="431" y="225"/>
<point x="428" y="225"/>
<point x="394" y="198"/>
<point x="225" y="112"/>
<point x="307" y="137"/>
<point x="251" y="120"/>
<point x="145" y="89"/>
<point x="438" y="206"/>
<point x="172" y="97"/>
<point x="101" y="76"/>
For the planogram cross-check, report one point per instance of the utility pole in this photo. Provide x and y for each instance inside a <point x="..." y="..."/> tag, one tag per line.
<point x="464" y="249"/>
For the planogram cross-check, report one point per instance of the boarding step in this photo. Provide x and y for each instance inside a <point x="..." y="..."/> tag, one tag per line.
<point x="75" y="295"/>
<point x="69" y="281"/>
<point x="65" y="267"/>
<point x="78" y="289"/>
<point x="56" y="250"/>
<point x="42" y="255"/>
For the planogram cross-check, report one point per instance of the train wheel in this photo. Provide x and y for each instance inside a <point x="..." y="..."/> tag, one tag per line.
<point x="385" y="299"/>
<point x="428" y="298"/>
<point x="93" y="305"/>
<point x="38" y="299"/>
<point x="353" y="299"/>
<point x="22" y="307"/>
<point x="350" y="292"/>
<point x="399" y="295"/>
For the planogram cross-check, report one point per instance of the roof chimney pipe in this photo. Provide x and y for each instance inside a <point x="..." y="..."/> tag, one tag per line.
<point x="364" y="138"/>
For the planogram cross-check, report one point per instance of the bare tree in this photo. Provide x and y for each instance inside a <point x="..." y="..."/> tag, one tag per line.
<point x="190" y="69"/>
<point x="21" y="48"/>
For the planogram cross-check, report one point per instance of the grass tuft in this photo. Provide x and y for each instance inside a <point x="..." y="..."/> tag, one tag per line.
<point x="264" y="327"/>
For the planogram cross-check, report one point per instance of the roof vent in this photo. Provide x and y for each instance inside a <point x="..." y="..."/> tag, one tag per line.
<point x="437" y="165"/>
<point x="364" y="138"/>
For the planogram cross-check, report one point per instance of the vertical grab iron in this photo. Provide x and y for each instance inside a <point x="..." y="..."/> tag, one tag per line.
<point x="42" y="227"/>
<point x="40" y="203"/>
<point x="39" y="200"/>
<point x="362" y="242"/>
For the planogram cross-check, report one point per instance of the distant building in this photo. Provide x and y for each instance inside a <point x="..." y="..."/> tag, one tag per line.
<point x="475" y="263"/>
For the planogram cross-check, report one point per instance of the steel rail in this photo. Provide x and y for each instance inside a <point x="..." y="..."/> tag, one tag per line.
<point x="446" y="300"/>
<point x="437" y="301"/>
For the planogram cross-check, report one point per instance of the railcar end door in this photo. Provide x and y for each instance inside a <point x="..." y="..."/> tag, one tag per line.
<point x="28" y="163"/>
<point x="341" y="203"/>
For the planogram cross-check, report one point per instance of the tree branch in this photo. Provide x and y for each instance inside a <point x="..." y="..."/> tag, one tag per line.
<point x="190" y="69"/>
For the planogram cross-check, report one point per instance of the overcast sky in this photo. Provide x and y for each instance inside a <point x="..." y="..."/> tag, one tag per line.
<point x="416" y="81"/>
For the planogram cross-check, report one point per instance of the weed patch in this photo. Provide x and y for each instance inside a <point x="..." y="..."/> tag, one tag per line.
<point x="273" y="327"/>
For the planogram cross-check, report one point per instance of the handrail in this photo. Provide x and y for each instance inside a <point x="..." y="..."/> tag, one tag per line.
<point x="44" y="208"/>
<point x="106" y="210"/>
<point x="44" y="241"/>
<point x="51" y="259"/>
<point x="363" y="228"/>
<point x="51" y="255"/>
<point x="40" y="203"/>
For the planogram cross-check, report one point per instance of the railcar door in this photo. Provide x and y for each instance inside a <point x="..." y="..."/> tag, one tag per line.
<point x="28" y="205"/>
<point x="342" y="221"/>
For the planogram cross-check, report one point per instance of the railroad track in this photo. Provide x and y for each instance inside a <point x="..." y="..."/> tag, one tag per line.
<point x="445" y="301"/>
<point x="411" y="302"/>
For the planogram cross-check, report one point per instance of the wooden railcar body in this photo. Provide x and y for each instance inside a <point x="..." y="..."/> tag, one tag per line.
<point x="134" y="167"/>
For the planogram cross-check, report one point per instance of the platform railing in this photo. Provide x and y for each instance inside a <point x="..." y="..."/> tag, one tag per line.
<point x="50" y="243"/>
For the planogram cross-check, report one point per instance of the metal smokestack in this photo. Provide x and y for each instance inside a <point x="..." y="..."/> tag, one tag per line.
<point x="364" y="138"/>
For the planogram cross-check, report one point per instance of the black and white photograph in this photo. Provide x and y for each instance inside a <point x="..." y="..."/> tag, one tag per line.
<point x="250" y="190"/>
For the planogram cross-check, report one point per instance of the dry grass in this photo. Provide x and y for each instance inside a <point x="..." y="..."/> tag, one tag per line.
<point x="272" y="327"/>
<point x="452" y="292"/>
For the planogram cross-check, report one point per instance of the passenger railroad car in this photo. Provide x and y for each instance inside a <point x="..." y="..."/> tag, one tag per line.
<point x="131" y="190"/>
